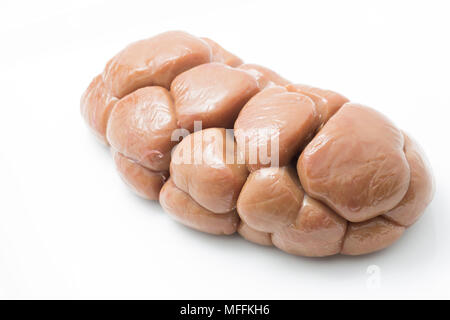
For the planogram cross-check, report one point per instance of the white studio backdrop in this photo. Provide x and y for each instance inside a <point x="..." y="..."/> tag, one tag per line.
<point x="69" y="227"/>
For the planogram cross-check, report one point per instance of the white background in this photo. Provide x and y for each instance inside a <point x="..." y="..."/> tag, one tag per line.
<point x="69" y="228"/>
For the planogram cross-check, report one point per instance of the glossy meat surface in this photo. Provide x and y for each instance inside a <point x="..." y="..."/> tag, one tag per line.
<point x="370" y="236"/>
<point x="356" y="164"/>
<point x="305" y="170"/>
<point x="206" y="166"/>
<point x="316" y="232"/>
<point x="142" y="181"/>
<point x="255" y="236"/>
<point x="184" y="209"/>
<point x="421" y="187"/>
<point x="270" y="199"/>
<point x="213" y="93"/>
<point x="96" y="106"/>
<point x="154" y="62"/>
<point x="264" y="76"/>
<point x="327" y="102"/>
<point x="277" y="116"/>
<point x="141" y="126"/>
<point x="221" y="55"/>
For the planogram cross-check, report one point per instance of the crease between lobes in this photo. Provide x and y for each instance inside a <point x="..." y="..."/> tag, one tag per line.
<point x="343" y="182"/>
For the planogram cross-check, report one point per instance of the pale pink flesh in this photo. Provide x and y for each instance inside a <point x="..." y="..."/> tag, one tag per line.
<point x="356" y="164"/>
<point x="141" y="126"/>
<point x="264" y="76"/>
<point x="270" y="199"/>
<point x="154" y="62"/>
<point x="275" y="113"/>
<point x="359" y="163"/>
<point x="205" y="174"/>
<point x="212" y="93"/>
<point x="255" y="236"/>
<point x="184" y="209"/>
<point x="96" y="105"/>
<point x="221" y="55"/>
<point x="327" y="102"/>
<point x="421" y="187"/>
<point x="142" y="181"/>
<point x="370" y="236"/>
<point x="317" y="231"/>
